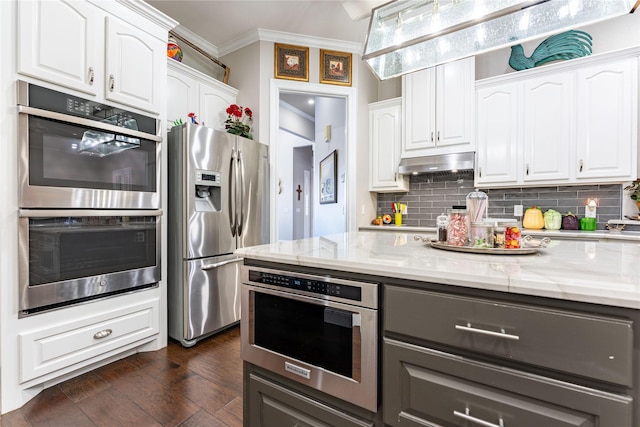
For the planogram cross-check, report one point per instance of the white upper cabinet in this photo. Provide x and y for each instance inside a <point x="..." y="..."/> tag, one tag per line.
<point x="109" y="52"/>
<point x="569" y="123"/>
<point x="498" y="130"/>
<point x="190" y="91"/>
<point x="438" y="109"/>
<point x="608" y="112"/>
<point x="57" y="42"/>
<point x="134" y="66"/>
<point x="385" y="137"/>
<point x="548" y="127"/>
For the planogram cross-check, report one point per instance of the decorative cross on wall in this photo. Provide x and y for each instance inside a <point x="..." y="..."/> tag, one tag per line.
<point x="299" y="190"/>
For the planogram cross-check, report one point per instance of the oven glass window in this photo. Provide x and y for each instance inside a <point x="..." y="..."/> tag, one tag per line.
<point x="67" y="155"/>
<point x="66" y="248"/>
<point x="322" y="336"/>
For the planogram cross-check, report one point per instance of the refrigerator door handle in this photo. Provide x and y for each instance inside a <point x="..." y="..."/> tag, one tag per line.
<point x="221" y="263"/>
<point x="232" y="199"/>
<point x="243" y="192"/>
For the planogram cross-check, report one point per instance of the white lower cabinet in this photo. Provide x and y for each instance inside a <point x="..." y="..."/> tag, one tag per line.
<point x="190" y="91"/>
<point x="570" y="123"/>
<point x="78" y="342"/>
<point x="385" y="140"/>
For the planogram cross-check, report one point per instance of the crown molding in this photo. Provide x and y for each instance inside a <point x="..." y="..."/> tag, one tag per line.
<point x="289" y="38"/>
<point x="150" y="13"/>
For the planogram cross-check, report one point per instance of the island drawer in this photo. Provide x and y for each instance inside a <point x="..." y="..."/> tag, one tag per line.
<point x="587" y="345"/>
<point x="427" y="387"/>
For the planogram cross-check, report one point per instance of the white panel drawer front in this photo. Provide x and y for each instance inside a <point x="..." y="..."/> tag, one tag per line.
<point x="43" y="351"/>
<point x="587" y="345"/>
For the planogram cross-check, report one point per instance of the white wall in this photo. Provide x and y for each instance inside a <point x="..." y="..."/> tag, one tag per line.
<point x="330" y="218"/>
<point x="297" y="122"/>
<point x="284" y="182"/>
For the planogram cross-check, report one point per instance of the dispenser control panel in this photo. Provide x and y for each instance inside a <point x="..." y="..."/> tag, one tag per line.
<point x="208" y="178"/>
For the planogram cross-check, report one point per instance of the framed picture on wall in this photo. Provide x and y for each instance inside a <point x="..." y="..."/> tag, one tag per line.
<point x="335" y="67"/>
<point x="291" y="62"/>
<point x="328" y="179"/>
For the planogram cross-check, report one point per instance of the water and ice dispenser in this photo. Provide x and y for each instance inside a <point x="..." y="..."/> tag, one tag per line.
<point x="208" y="194"/>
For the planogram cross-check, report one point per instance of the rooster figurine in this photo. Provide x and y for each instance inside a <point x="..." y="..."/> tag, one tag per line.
<point x="193" y="116"/>
<point x="568" y="45"/>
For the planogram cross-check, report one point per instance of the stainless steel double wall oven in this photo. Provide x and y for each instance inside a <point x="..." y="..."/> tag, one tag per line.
<point x="89" y="199"/>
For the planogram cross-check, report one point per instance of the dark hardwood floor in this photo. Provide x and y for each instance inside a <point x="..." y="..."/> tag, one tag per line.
<point x="175" y="386"/>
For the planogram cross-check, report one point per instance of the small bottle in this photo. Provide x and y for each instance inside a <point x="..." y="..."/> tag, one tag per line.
<point x="442" y="221"/>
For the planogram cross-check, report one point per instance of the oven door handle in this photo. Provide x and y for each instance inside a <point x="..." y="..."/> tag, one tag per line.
<point x="86" y="122"/>
<point x="221" y="263"/>
<point x="44" y="213"/>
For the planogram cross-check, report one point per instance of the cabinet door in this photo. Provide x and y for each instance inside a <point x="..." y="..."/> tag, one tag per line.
<point x="454" y="106"/>
<point x="498" y="134"/>
<point x="607" y="120"/>
<point x="419" y="102"/>
<point x="134" y="66"/>
<point x="548" y="127"/>
<point x="182" y="96"/>
<point x="385" y="145"/>
<point x="271" y="405"/>
<point x="60" y="41"/>
<point x="213" y="106"/>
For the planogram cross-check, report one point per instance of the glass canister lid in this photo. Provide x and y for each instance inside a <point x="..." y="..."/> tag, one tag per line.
<point x="477" y="205"/>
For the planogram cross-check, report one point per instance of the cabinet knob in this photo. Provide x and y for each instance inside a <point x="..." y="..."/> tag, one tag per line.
<point x="438" y="137"/>
<point x="527" y="169"/>
<point x="480" y="172"/>
<point x="92" y="75"/>
<point x="102" y="334"/>
<point x="431" y="136"/>
<point x="112" y="83"/>
<point x="580" y="169"/>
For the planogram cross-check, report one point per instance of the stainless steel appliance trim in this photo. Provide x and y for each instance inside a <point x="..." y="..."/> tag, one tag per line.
<point x="86" y="122"/>
<point x="242" y="192"/>
<point x="232" y="196"/>
<point x="220" y="264"/>
<point x="44" y="213"/>
<point x="369" y="290"/>
<point x="363" y="393"/>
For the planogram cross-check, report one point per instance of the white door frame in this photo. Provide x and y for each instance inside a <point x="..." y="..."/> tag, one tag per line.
<point x="349" y="94"/>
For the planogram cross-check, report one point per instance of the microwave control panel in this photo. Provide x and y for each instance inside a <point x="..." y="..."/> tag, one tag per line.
<point x="308" y="285"/>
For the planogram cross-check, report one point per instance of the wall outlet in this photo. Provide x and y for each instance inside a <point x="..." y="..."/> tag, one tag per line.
<point x="517" y="210"/>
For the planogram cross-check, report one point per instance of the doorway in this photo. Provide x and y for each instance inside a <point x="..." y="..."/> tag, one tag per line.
<point x="295" y="156"/>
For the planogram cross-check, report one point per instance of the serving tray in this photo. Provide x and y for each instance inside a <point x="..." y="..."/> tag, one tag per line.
<point x="485" y="251"/>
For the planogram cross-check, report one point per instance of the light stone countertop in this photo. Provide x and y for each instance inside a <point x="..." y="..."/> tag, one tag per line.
<point x="602" y="272"/>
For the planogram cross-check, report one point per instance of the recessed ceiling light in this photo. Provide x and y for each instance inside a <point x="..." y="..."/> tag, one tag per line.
<point x="311" y="101"/>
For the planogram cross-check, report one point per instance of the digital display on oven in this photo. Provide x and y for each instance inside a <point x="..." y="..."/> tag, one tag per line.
<point x="308" y="285"/>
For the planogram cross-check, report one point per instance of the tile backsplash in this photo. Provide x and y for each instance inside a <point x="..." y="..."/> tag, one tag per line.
<point x="431" y="195"/>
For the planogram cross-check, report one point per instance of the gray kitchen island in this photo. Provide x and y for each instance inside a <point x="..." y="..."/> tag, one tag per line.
<point x="460" y="339"/>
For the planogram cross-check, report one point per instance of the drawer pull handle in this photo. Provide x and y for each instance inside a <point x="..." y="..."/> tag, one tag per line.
<point x="102" y="334"/>
<point x="501" y="334"/>
<point x="465" y="416"/>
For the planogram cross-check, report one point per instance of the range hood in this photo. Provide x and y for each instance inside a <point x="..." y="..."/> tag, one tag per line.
<point x="437" y="164"/>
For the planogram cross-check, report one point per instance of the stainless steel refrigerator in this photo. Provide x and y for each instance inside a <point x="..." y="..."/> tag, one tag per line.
<point x="218" y="200"/>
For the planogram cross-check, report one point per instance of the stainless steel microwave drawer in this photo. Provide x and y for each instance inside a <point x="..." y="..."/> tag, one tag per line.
<point x="427" y="387"/>
<point x="588" y="345"/>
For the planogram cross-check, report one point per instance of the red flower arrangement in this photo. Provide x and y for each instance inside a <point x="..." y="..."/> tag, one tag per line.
<point x="239" y="121"/>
